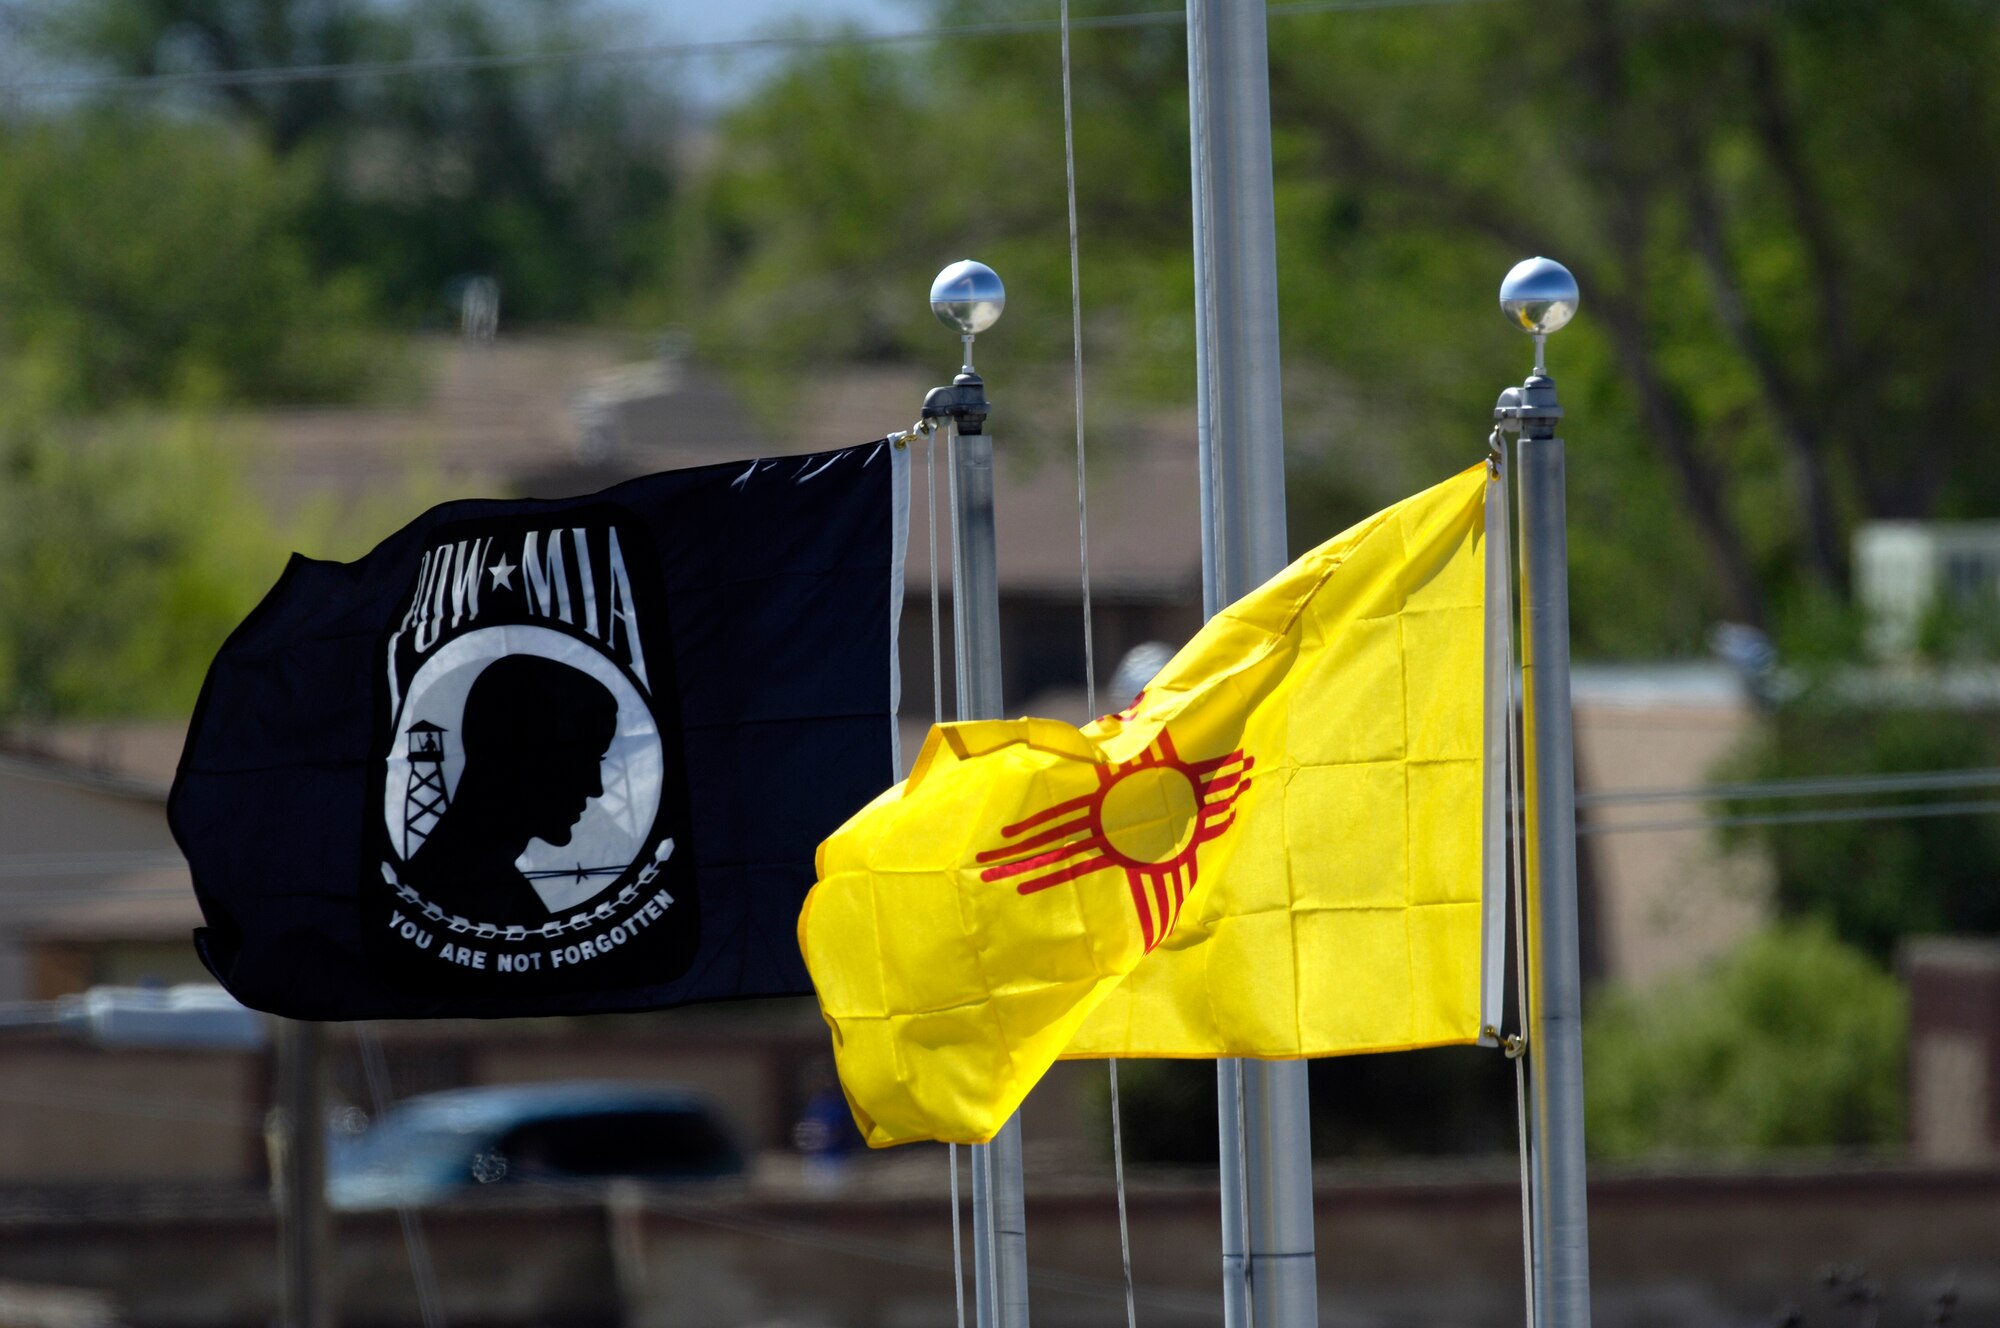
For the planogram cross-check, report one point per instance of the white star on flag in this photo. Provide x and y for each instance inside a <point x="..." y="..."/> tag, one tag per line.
<point x="502" y="573"/>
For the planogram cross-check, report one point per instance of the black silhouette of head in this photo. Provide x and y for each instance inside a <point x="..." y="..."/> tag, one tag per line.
<point x="534" y="734"/>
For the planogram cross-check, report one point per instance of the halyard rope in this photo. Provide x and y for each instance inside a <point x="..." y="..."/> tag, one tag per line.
<point x="1517" y="1046"/>
<point x="375" y="1069"/>
<point x="1083" y="559"/>
<point x="937" y="717"/>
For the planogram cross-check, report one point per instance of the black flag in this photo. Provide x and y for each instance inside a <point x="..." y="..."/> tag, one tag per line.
<point x="550" y="757"/>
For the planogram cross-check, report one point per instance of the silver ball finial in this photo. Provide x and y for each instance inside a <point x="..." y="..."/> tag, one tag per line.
<point x="967" y="297"/>
<point x="1539" y="295"/>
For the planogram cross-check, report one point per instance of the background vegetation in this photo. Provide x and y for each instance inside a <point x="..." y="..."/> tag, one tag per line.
<point x="1795" y="1041"/>
<point x="126" y="555"/>
<point x="1783" y="218"/>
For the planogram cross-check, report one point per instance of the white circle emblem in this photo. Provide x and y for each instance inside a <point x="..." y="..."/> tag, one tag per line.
<point x="614" y="829"/>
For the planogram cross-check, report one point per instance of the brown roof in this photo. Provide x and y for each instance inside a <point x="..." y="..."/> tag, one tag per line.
<point x="488" y="413"/>
<point x="1145" y="501"/>
<point x="146" y="905"/>
<point x="511" y="417"/>
<point x="135" y="757"/>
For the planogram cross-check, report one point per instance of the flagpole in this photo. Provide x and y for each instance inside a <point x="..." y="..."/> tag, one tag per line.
<point x="1268" y="1263"/>
<point x="305" y="1281"/>
<point x="968" y="298"/>
<point x="1540" y="296"/>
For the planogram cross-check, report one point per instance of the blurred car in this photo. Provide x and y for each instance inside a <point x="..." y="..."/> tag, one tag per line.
<point x="429" y="1148"/>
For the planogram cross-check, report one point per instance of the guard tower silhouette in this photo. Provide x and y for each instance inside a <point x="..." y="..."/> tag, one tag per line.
<point x="425" y="799"/>
<point x="616" y="800"/>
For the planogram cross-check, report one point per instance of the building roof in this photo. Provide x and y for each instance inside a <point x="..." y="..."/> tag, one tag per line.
<point x="133" y="758"/>
<point x="85" y="853"/>
<point x="559" y="416"/>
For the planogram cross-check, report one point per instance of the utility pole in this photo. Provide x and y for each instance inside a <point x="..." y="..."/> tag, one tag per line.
<point x="1268" y="1262"/>
<point x="1540" y="296"/>
<point x="968" y="297"/>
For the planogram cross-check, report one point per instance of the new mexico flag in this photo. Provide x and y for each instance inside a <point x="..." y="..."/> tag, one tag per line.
<point x="1276" y="851"/>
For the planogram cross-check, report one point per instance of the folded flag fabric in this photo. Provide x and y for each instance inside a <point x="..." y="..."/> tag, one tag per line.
<point x="1276" y="851"/>
<point x="545" y="757"/>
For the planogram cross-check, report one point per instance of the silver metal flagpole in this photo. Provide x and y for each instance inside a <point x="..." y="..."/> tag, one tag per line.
<point x="1268" y="1264"/>
<point x="968" y="298"/>
<point x="1540" y="296"/>
<point x="305" y="1282"/>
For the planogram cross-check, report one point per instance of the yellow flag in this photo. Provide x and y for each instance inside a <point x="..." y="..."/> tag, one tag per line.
<point x="1274" y="852"/>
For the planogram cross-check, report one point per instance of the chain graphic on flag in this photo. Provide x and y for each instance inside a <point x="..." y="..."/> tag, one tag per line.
<point x="1148" y="816"/>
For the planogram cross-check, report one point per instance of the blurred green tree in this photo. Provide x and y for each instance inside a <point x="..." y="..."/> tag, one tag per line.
<point x="550" y="176"/>
<point x="1753" y="217"/>
<point x="1793" y="1041"/>
<point x="153" y="259"/>
<point x="127" y="553"/>
<point x="854" y="171"/>
<point x="1757" y="202"/>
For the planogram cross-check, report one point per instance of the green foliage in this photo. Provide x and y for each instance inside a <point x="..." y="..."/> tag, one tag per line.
<point x="126" y="556"/>
<point x="1753" y="197"/>
<point x="1961" y="629"/>
<point x="1752" y="201"/>
<point x="1793" y="1041"/>
<point x="1874" y="882"/>
<point x="552" y="179"/>
<point x="855" y="174"/>
<point x="156" y="259"/>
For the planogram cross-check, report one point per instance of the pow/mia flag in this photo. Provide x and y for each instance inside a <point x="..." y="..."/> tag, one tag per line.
<point x="550" y="757"/>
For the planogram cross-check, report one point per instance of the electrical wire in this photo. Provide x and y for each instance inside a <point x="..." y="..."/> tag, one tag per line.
<point x="276" y="75"/>
<point x="1831" y="786"/>
<point x="1829" y="816"/>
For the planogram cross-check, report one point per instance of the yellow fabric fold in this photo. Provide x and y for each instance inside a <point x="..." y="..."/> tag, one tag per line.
<point x="1274" y="852"/>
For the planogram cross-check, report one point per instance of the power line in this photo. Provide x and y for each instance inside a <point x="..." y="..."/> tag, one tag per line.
<point x="113" y="863"/>
<point x="1811" y="787"/>
<point x="1828" y="816"/>
<point x="275" y="75"/>
<point x="43" y="865"/>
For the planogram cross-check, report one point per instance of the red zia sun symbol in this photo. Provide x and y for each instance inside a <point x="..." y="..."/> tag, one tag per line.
<point x="1148" y="816"/>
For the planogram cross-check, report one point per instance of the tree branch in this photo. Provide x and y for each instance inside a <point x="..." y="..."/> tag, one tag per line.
<point x="1778" y="134"/>
<point x="1824" y="544"/>
<point x="1668" y="424"/>
<point x="1352" y="153"/>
